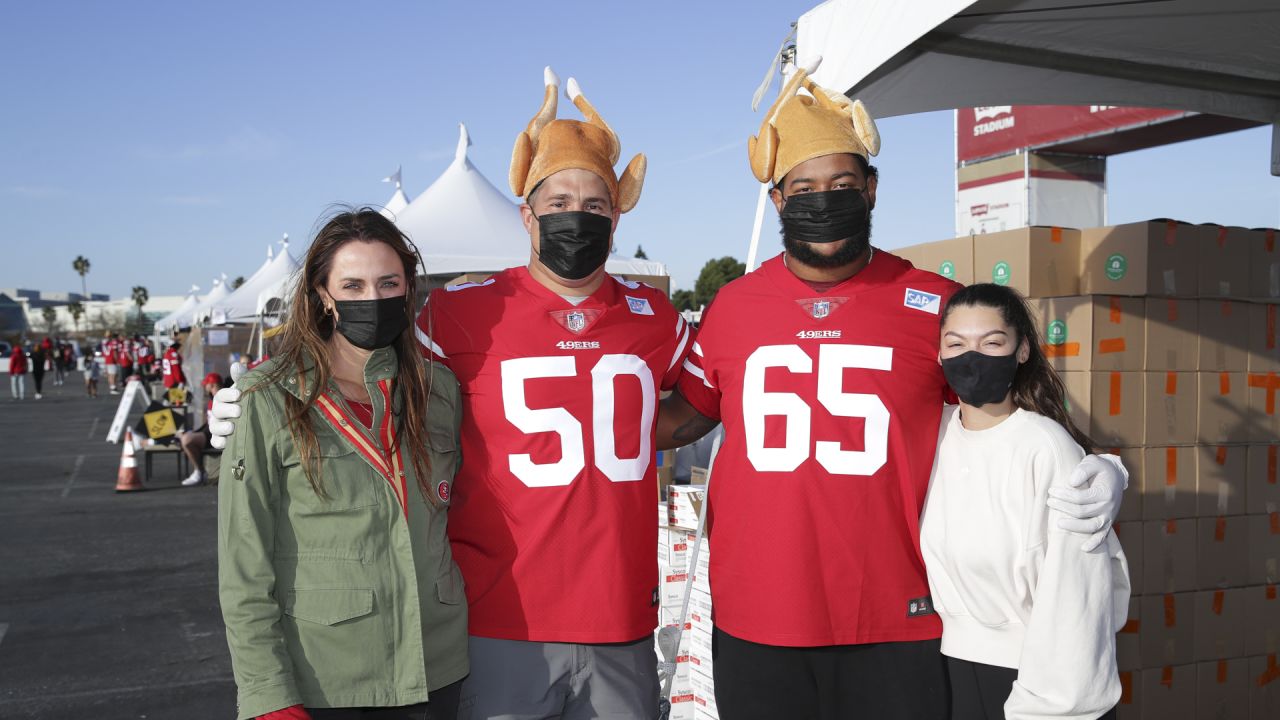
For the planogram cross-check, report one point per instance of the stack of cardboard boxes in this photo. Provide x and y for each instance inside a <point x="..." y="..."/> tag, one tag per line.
<point x="693" y="691"/>
<point x="1164" y="335"/>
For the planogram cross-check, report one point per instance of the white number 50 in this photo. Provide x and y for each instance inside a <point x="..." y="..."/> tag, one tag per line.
<point x="559" y="421"/>
<point x="832" y="362"/>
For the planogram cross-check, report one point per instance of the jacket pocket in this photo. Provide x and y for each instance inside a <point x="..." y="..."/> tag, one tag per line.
<point x="348" y="481"/>
<point x="328" y="606"/>
<point x="449" y="586"/>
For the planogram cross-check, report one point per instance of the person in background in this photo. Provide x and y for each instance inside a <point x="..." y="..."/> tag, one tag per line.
<point x="60" y="363"/>
<point x="39" y="361"/>
<point x="1028" y="621"/>
<point x="110" y="355"/>
<point x="195" y="441"/>
<point x="125" y="358"/>
<point x="339" y="591"/>
<point x="18" y="373"/>
<point x="171" y="366"/>
<point x="92" y="373"/>
<point x="146" y="357"/>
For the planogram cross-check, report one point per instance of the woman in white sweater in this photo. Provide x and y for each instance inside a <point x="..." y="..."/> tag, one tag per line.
<point x="1029" y="620"/>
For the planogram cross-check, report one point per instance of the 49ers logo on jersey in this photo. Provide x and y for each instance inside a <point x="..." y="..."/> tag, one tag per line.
<point x="822" y="307"/>
<point x="443" y="490"/>
<point x="577" y="320"/>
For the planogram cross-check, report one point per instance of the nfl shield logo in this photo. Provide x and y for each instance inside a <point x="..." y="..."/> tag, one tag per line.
<point x="576" y="321"/>
<point x="821" y="309"/>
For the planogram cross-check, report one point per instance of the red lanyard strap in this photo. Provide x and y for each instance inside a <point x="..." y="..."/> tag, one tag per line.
<point x="386" y="460"/>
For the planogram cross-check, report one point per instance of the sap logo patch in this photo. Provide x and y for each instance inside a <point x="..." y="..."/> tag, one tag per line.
<point x="921" y="300"/>
<point x="639" y="306"/>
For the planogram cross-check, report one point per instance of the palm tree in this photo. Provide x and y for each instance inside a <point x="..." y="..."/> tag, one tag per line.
<point x="140" y="298"/>
<point x="81" y="265"/>
<point x="76" y="309"/>
<point x="50" y="319"/>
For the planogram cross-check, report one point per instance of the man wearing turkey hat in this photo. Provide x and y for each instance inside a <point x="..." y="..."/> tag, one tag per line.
<point x="560" y="366"/>
<point x="823" y="367"/>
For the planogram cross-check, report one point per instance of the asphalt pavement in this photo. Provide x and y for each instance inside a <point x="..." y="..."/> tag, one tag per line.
<point x="108" y="602"/>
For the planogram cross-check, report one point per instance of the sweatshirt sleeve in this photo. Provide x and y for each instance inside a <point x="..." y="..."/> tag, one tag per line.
<point x="246" y="574"/>
<point x="1068" y="664"/>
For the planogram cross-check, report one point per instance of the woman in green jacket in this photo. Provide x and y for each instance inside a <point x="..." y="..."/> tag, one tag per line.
<point x="339" y="592"/>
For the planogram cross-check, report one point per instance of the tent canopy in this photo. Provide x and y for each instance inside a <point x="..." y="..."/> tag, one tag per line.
<point x="462" y="224"/>
<point x="1220" y="57"/>
<point x="181" y="317"/>
<point x="242" y="304"/>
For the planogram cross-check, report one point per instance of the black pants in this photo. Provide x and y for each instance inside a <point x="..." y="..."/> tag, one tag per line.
<point x="39" y="378"/>
<point x="880" y="681"/>
<point x="443" y="706"/>
<point x="978" y="691"/>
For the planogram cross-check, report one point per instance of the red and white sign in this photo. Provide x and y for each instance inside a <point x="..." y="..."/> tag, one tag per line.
<point x="986" y="132"/>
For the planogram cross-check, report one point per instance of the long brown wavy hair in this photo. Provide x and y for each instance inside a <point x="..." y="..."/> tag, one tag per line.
<point x="303" y="343"/>
<point x="1036" y="386"/>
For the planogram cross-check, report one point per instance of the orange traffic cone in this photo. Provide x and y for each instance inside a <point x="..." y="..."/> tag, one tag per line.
<point x="127" y="479"/>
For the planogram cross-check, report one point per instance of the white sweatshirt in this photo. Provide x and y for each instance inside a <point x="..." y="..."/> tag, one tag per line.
<point x="1013" y="589"/>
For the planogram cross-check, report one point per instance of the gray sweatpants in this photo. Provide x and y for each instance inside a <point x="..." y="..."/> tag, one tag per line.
<point x="525" y="680"/>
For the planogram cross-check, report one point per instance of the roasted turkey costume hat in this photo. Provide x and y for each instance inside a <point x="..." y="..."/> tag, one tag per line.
<point x="549" y="145"/>
<point x="803" y="127"/>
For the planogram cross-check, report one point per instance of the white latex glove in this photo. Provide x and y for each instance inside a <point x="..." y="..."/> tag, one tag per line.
<point x="1092" y="499"/>
<point x="225" y="409"/>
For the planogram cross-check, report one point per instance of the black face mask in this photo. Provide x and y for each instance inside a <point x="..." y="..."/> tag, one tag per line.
<point x="574" y="244"/>
<point x="372" y="324"/>
<point x="830" y="216"/>
<point x="980" y="379"/>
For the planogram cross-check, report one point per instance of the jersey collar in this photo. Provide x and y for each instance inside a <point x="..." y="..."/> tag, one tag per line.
<point x="604" y="297"/>
<point x="878" y="271"/>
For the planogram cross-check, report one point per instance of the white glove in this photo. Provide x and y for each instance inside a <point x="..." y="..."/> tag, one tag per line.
<point x="225" y="409"/>
<point x="1092" y="500"/>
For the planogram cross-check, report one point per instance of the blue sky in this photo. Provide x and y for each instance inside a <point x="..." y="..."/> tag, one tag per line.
<point x="172" y="141"/>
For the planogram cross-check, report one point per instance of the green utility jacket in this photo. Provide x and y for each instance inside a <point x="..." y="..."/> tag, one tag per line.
<point x="337" y="602"/>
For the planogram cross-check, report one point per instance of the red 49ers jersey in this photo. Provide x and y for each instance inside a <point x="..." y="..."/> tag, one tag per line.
<point x="830" y="403"/>
<point x="552" y="518"/>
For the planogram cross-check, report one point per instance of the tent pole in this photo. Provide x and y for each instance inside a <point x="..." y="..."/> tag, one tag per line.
<point x="754" y="248"/>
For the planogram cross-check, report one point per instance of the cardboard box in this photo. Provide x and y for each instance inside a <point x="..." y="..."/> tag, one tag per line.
<point x="1264" y="549"/>
<point x="1261" y="620"/>
<point x="1222" y="552"/>
<point x="1224" y="408"/>
<point x="1131" y="505"/>
<point x="1108" y="406"/>
<point x="1169" y="483"/>
<point x="1130" y="689"/>
<point x="1093" y="332"/>
<point x="1035" y="261"/>
<point x="1219" y="625"/>
<point x="1147" y="258"/>
<point x="684" y="505"/>
<point x="952" y="259"/>
<point x="1222" y="689"/>
<point x="1128" y="644"/>
<point x="1264" y="688"/>
<point x="1262" y="486"/>
<point x="1264" y="349"/>
<point x="664" y="481"/>
<point x="1169" y="557"/>
<point x="1220" y="480"/>
<point x="1168" y="692"/>
<point x="1224" y="336"/>
<point x="1223" y="260"/>
<point x="1172" y="333"/>
<point x="1130" y="535"/>
<point x="1172" y="416"/>
<point x="1264" y="420"/>
<point x="1264" y="265"/>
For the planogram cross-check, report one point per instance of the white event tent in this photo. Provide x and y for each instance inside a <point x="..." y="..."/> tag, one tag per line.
<point x="463" y="224"/>
<point x="181" y="317"/>
<point x="245" y="303"/>
<point x="200" y="312"/>
<point x="398" y="202"/>
<point x="1209" y="56"/>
